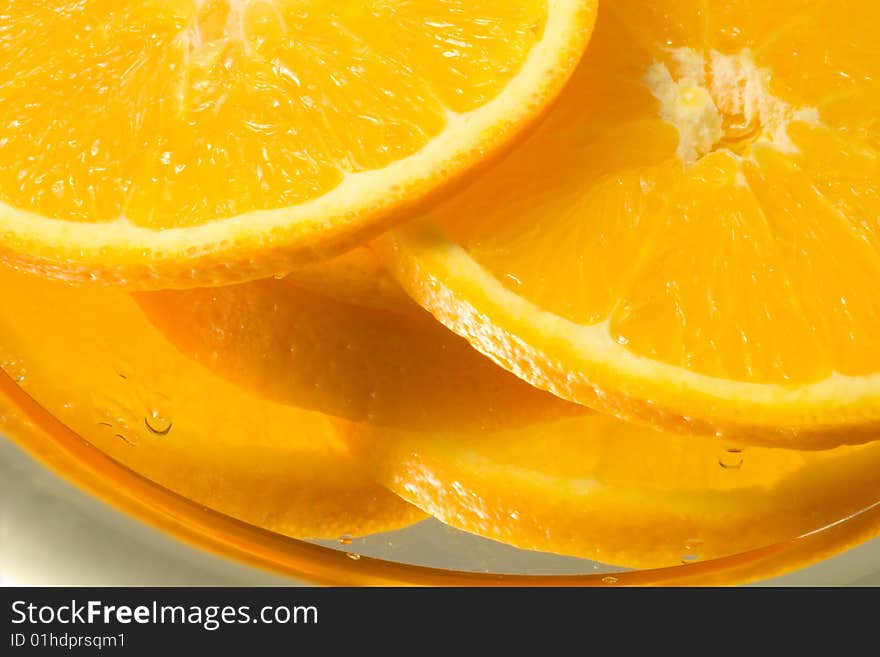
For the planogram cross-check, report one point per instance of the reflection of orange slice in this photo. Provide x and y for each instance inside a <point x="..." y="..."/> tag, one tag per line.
<point x="398" y="369"/>
<point x="91" y="358"/>
<point x="599" y="488"/>
<point x="691" y="237"/>
<point x="165" y="144"/>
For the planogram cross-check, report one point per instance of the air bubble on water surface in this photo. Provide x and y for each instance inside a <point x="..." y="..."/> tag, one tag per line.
<point x="354" y="556"/>
<point x="610" y="580"/>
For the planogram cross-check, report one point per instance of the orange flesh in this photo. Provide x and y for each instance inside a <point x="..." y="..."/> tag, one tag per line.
<point x="602" y="489"/>
<point x="735" y="264"/>
<point x="91" y="358"/>
<point x="174" y="113"/>
<point x="395" y="368"/>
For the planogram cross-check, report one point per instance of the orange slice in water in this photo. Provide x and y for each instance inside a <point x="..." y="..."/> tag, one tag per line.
<point x="481" y="450"/>
<point x="159" y="144"/>
<point x="389" y="366"/>
<point x="68" y="454"/>
<point x="602" y="489"/>
<point x="691" y="239"/>
<point x="91" y="358"/>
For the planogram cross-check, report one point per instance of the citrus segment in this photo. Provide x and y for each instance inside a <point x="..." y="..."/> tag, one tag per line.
<point x="691" y="236"/>
<point x="155" y="143"/>
<point x="91" y="358"/>
<point x="609" y="491"/>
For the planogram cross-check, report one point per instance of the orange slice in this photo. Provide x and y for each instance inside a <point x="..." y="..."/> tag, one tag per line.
<point x="602" y="489"/>
<point x="356" y="278"/>
<point x="470" y="443"/>
<point x="692" y="237"/>
<point x="396" y="368"/>
<point x="162" y="144"/>
<point x="91" y="358"/>
<point x="55" y="445"/>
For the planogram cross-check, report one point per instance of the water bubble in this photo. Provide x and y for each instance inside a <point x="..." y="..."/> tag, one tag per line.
<point x="157" y="423"/>
<point x="610" y="580"/>
<point x="732" y="459"/>
<point x="690" y="551"/>
<point x="345" y="539"/>
<point x="354" y="556"/>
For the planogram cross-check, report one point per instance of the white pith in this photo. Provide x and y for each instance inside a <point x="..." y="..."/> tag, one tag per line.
<point x="712" y="98"/>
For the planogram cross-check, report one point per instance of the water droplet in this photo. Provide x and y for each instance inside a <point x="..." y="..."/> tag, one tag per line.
<point x="610" y="580"/>
<point x="345" y="539"/>
<point x="354" y="556"/>
<point x="157" y="423"/>
<point x="690" y="558"/>
<point x="732" y="459"/>
<point x="16" y="370"/>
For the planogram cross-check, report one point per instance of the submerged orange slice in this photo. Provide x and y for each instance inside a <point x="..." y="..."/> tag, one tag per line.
<point x="91" y="358"/>
<point x="356" y="278"/>
<point x="388" y="366"/>
<point x="206" y="141"/>
<point x="484" y="452"/>
<point x="602" y="489"/>
<point x="692" y="237"/>
<point x="68" y="454"/>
